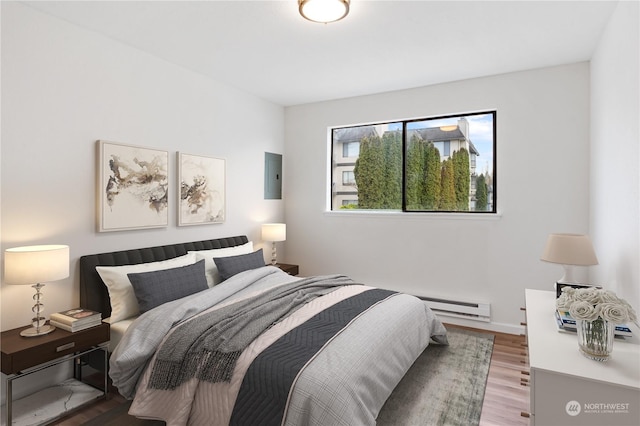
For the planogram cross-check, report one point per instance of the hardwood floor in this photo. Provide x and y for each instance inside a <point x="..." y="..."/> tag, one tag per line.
<point x="504" y="399"/>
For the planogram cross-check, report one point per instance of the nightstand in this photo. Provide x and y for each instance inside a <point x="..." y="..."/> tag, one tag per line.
<point x="22" y="356"/>
<point x="289" y="269"/>
<point x="569" y="389"/>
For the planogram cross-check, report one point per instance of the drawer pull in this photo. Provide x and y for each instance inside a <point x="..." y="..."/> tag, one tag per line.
<point x="65" y="347"/>
<point x="524" y="414"/>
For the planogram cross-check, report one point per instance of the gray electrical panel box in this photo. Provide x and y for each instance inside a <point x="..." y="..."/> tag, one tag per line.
<point x="272" y="176"/>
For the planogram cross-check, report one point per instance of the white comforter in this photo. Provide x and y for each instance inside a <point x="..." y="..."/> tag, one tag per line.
<point x="346" y="383"/>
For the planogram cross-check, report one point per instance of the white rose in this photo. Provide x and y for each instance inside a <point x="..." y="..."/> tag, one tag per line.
<point x="591" y="295"/>
<point x="609" y="296"/>
<point x="583" y="311"/>
<point x="564" y="301"/>
<point x="613" y="312"/>
<point x="630" y="312"/>
<point x="569" y="292"/>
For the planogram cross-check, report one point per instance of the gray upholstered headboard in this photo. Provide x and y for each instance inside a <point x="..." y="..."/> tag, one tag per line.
<point x="93" y="292"/>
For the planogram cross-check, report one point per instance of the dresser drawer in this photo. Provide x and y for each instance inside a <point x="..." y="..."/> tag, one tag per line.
<point x="19" y="353"/>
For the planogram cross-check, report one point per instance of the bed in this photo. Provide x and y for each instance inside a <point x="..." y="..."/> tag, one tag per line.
<point x="249" y="344"/>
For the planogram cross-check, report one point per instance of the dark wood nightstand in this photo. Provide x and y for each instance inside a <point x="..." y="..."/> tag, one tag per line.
<point x="22" y="356"/>
<point x="289" y="269"/>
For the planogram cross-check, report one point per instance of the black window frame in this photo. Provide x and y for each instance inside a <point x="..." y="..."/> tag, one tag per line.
<point x="404" y="124"/>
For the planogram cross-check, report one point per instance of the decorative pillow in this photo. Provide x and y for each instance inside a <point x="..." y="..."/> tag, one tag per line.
<point x="157" y="287"/>
<point x="123" y="301"/>
<point x="210" y="268"/>
<point x="231" y="265"/>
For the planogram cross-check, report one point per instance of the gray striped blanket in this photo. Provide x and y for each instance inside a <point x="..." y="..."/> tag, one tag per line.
<point x="208" y="346"/>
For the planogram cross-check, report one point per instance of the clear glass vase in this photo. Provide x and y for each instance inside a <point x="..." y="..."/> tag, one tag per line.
<point x="595" y="338"/>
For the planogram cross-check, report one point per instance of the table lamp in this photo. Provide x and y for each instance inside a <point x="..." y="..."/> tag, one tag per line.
<point x="35" y="264"/>
<point x="274" y="232"/>
<point x="569" y="250"/>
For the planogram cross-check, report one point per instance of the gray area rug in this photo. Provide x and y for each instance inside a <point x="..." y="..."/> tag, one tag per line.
<point x="445" y="386"/>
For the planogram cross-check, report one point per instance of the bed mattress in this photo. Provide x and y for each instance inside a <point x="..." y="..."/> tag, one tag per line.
<point x="345" y="380"/>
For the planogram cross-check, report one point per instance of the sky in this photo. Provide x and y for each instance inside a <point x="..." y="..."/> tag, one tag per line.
<point x="481" y="134"/>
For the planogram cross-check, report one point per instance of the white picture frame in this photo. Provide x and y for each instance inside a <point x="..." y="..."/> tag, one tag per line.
<point x="133" y="187"/>
<point x="202" y="189"/>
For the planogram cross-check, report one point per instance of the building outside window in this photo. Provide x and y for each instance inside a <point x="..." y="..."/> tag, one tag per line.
<point x="437" y="164"/>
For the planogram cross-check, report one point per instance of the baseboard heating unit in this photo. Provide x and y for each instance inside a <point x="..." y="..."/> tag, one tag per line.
<point x="453" y="308"/>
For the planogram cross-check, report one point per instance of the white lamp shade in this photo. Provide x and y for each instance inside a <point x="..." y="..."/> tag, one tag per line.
<point x="323" y="11"/>
<point x="569" y="249"/>
<point x="274" y="232"/>
<point x="36" y="264"/>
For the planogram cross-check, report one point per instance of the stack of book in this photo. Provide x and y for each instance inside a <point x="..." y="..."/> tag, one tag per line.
<point x="75" y="319"/>
<point x="567" y="323"/>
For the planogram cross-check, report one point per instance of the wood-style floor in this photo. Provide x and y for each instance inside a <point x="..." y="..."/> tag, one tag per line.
<point x="505" y="397"/>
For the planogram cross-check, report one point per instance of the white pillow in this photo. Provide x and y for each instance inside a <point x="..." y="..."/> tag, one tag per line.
<point x="210" y="269"/>
<point x="123" y="300"/>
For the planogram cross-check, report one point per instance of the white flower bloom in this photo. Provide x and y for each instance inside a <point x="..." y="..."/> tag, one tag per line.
<point x="630" y="312"/>
<point x="591" y="295"/>
<point x="613" y="312"/>
<point x="609" y="296"/>
<point x="564" y="301"/>
<point x="592" y="303"/>
<point x="583" y="310"/>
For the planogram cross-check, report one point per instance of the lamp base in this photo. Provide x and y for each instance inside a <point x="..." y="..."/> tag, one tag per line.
<point x="34" y="332"/>
<point x="273" y="254"/>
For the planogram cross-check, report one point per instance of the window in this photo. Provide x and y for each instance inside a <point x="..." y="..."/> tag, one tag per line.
<point x="351" y="149"/>
<point x="348" y="178"/>
<point x="436" y="164"/>
<point x="444" y="147"/>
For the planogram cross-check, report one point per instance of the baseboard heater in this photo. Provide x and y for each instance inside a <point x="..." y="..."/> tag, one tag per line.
<point x="454" y="308"/>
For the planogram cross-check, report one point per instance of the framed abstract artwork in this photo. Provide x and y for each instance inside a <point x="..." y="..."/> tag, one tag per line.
<point x="133" y="186"/>
<point x="202" y="189"/>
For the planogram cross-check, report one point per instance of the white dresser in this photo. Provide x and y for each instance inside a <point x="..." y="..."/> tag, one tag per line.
<point x="569" y="389"/>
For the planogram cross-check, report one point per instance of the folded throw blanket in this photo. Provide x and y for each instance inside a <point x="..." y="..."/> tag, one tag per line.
<point x="208" y="346"/>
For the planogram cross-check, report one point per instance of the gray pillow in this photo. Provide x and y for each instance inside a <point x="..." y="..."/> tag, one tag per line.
<point x="157" y="287"/>
<point x="229" y="266"/>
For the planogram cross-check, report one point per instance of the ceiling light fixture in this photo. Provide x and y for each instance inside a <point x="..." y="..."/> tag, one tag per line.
<point x="323" y="11"/>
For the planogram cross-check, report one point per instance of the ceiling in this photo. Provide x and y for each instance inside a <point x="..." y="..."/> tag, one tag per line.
<point x="266" y="48"/>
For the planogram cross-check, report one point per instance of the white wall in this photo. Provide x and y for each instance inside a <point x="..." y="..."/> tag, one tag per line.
<point x="543" y="187"/>
<point x="63" y="88"/>
<point x="615" y="154"/>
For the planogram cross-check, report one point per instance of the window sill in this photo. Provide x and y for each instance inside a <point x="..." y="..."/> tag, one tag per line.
<point x="396" y="214"/>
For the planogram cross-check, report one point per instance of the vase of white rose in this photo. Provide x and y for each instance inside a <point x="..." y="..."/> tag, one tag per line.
<point x="595" y="338"/>
<point x="596" y="312"/>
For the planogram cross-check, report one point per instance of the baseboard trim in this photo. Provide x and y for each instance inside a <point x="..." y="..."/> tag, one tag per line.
<point x="489" y="326"/>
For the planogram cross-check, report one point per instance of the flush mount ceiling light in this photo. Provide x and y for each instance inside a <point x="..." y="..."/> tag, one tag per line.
<point x="323" y="11"/>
